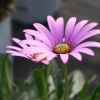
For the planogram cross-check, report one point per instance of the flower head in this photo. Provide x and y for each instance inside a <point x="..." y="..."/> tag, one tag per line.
<point x="42" y="45"/>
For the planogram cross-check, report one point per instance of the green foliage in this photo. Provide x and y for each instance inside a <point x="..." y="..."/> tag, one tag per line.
<point x="32" y="88"/>
<point x="58" y="79"/>
<point x="5" y="78"/>
<point x="96" y="94"/>
<point x="38" y="82"/>
<point x="82" y="95"/>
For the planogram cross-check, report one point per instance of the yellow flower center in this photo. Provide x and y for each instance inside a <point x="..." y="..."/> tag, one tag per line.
<point x="62" y="48"/>
<point x="37" y="54"/>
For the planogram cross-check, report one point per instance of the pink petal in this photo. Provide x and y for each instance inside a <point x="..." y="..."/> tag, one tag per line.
<point x="45" y="55"/>
<point x="89" y="44"/>
<point x="34" y="50"/>
<point x="16" y="40"/>
<point x="64" y="58"/>
<point x="45" y="62"/>
<point x="41" y="56"/>
<point x="15" y="53"/>
<point x="42" y="29"/>
<point x="77" y="29"/>
<point x="28" y="36"/>
<point x="35" y="43"/>
<point x="52" y="26"/>
<point x="89" y="26"/>
<point x="77" y="55"/>
<point x="85" y="50"/>
<point x="87" y="35"/>
<point x="19" y="55"/>
<point x="41" y="37"/>
<point x="60" y="28"/>
<point x="83" y="31"/>
<point x="19" y="42"/>
<point x="50" y="57"/>
<point x="14" y="48"/>
<point x="11" y="51"/>
<point x="69" y="28"/>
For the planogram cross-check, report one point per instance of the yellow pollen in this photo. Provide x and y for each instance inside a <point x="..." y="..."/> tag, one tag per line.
<point x="37" y="54"/>
<point x="62" y="48"/>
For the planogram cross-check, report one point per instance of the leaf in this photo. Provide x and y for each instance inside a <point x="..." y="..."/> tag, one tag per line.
<point x="83" y="93"/>
<point x="51" y="88"/>
<point x="58" y="79"/>
<point x="38" y="81"/>
<point x="96" y="94"/>
<point x="77" y="81"/>
<point x="5" y="78"/>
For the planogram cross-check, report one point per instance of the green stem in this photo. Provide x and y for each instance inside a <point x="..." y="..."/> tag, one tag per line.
<point x="66" y="83"/>
<point x="45" y="92"/>
<point x="48" y="71"/>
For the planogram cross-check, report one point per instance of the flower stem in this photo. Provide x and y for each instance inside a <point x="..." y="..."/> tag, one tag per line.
<point x="48" y="71"/>
<point x="66" y="83"/>
<point x="45" y="92"/>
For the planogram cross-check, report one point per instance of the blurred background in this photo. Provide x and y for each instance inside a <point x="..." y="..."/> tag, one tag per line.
<point x="16" y="15"/>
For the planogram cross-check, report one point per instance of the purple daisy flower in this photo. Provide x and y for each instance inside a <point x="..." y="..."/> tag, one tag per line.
<point x="42" y="45"/>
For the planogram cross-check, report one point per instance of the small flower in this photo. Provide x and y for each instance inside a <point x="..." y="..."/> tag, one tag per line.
<point x="42" y="45"/>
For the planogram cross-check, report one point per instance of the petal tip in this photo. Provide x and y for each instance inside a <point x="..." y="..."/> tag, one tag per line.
<point x="35" y="24"/>
<point x="25" y="30"/>
<point x="49" y="17"/>
<point x="15" y="39"/>
<point x="73" y="18"/>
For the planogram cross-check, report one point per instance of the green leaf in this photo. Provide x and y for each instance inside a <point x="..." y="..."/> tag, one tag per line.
<point x="83" y="93"/>
<point x="96" y="94"/>
<point x="77" y="81"/>
<point x="58" y="79"/>
<point x="5" y="78"/>
<point x="38" y="81"/>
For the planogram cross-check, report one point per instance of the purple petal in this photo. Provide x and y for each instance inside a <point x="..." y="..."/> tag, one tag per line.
<point x="15" y="53"/>
<point x="46" y="55"/>
<point x="45" y="62"/>
<point x="10" y="51"/>
<point x="50" y="57"/>
<point x="42" y="29"/>
<point x="28" y="36"/>
<point x="19" y="55"/>
<point x="19" y="42"/>
<point x="77" y="55"/>
<point x="60" y="28"/>
<point x="42" y="37"/>
<point x="88" y="35"/>
<point x="41" y="56"/>
<point x="89" y="44"/>
<point x="83" y="31"/>
<point x="64" y="58"/>
<point x="14" y="48"/>
<point x="69" y="28"/>
<point x="35" y="43"/>
<point x="77" y="29"/>
<point x="85" y="50"/>
<point x="34" y="50"/>
<point x="52" y="26"/>
<point x="89" y="26"/>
